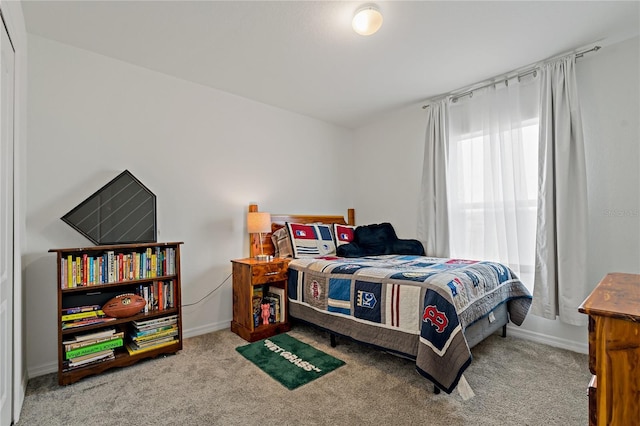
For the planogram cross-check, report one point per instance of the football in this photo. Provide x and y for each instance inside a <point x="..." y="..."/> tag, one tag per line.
<point x="124" y="305"/>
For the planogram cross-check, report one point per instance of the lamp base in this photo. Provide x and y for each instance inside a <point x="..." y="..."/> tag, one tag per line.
<point x="262" y="257"/>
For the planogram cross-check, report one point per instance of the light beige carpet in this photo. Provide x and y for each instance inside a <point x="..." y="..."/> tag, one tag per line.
<point x="516" y="382"/>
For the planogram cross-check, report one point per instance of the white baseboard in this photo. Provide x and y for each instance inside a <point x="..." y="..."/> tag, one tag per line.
<point x="207" y="328"/>
<point x="41" y="370"/>
<point x="548" y="340"/>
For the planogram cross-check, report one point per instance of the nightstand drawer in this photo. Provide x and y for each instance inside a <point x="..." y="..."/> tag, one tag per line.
<point x="268" y="273"/>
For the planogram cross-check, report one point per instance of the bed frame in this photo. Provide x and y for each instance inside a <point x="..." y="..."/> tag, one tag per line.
<point x="474" y="334"/>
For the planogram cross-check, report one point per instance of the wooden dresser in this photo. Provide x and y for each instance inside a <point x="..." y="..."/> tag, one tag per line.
<point x="614" y="350"/>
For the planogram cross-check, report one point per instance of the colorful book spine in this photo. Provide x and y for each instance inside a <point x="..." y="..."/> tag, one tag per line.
<point x="78" y="271"/>
<point x="91" y="269"/>
<point x="86" y="321"/>
<point x="133" y="351"/>
<point x="154" y="266"/>
<point x="120" y="267"/>
<point x="63" y="272"/>
<point x="148" y="264"/>
<point x="156" y="335"/>
<point x="69" y="271"/>
<point x="110" y="258"/>
<point x="76" y="309"/>
<point x="83" y="343"/>
<point x="89" y="358"/>
<point x="160" y="296"/>
<point x="81" y="269"/>
<point x="97" y="347"/>
<point x="158" y="267"/>
<point x="154" y="330"/>
<point x="145" y="294"/>
<point x="81" y="315"/>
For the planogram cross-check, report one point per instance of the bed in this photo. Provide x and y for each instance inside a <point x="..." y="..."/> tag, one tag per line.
<point x="431" y="310"/>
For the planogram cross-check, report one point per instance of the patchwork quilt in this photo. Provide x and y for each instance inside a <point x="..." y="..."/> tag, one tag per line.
<point x="414" y="306"/>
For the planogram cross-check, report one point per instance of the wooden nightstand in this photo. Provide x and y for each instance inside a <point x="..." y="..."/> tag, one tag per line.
<point x="250" y="276"/>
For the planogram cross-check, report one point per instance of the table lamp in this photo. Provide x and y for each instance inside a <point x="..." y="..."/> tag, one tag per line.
<point x="257" y="223"/>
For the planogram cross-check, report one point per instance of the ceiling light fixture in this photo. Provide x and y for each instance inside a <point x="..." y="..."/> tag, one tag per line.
<point x="367" y="20"/>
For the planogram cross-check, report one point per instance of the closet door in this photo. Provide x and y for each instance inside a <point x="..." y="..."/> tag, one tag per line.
<point x="6" y="224"/>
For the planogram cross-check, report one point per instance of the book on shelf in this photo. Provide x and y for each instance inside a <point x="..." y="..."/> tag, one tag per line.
<point x="146" y="332"/>
<point x="78" y="271"/>
<point x="72" y="278"/>
<point x="133" y="351"/>
<point x="81" y="315"/>
<point x="255" y="303"/>
<point x="110" y="256"/>
<point x="69" y="280"/>
<point x="77" y="309"/>
<point x="111" y="266"/>
<point x="157" y="335"/>
<point x="158" y="294"/>
<point x="70" y="345"/>
<point x="95" y="348"/>
<point x="90" y="359"/>
<point x="88" y="336"/>
<point x="161" y="296"/>
<point x="150" y="343"/>
<point x="66" y="367"/>
<point x="279" y="293"/>
<point x="85" y="322"/>
<point x="256" y="300"/>
<point x="155" y="322"/>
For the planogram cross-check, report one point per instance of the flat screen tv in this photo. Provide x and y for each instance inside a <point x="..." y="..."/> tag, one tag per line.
<point x="121" y="212"/>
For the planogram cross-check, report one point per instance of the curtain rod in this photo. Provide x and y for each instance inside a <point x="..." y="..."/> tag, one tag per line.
<point x="534" y="70"/>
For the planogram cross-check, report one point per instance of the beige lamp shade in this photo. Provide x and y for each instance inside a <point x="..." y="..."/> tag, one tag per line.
<point x="258" y="222"/>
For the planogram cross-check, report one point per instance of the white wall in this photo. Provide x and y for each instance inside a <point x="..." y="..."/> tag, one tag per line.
<point x="206" y="155"/>
<point x="388" y="172"/>
<point x="390" y="153"/>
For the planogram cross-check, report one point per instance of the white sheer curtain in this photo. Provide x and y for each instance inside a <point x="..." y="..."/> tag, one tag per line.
<point x="561" y="240"/>
<point x="433" y="228"/>
<point x="492" y="174"/>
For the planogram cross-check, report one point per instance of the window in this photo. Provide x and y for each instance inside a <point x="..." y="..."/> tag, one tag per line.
<point x="492" y="176"/>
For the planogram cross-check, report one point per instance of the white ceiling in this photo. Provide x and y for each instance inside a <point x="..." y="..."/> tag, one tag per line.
<point x="303" y="56"/>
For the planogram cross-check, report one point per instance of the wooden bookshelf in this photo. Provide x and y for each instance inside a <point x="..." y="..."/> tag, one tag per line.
<point x="148" y="269"/>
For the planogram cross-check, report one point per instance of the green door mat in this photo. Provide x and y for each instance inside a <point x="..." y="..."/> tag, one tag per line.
<point x="288" y="360"/>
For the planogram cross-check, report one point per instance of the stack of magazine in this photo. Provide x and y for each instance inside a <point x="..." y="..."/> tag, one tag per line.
<point x="87" y="349"/>
<point x="152" y="334"/>
<point x="79" y="316"/>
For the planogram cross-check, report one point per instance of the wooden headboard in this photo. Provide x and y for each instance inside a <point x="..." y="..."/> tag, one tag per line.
<point x="279" y="220"/>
